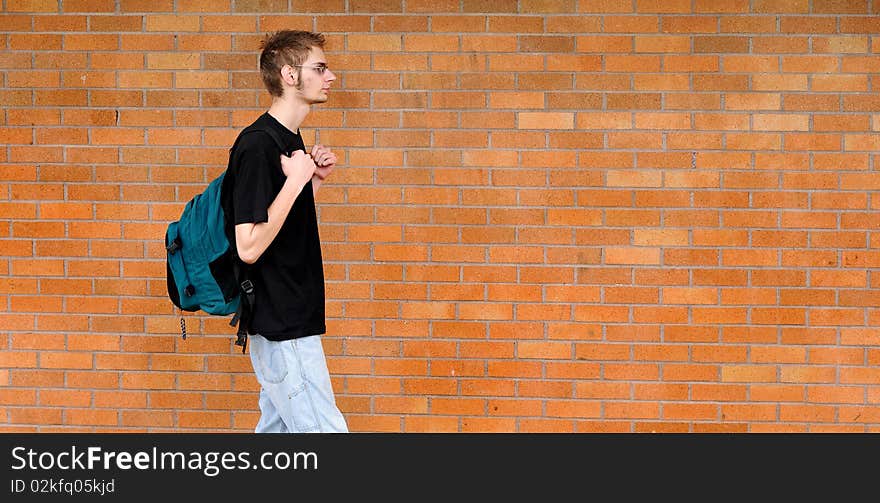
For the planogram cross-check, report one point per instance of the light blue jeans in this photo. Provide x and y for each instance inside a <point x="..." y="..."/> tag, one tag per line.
<point x="295" y="395"/>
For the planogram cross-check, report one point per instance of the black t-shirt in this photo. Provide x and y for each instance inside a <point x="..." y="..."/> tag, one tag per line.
<point x="288" y="277"/>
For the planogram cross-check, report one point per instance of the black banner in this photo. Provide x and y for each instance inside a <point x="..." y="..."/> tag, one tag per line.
<point x="223" y="467"/>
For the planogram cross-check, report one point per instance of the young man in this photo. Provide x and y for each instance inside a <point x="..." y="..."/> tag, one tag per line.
<point x="272" y="204"/>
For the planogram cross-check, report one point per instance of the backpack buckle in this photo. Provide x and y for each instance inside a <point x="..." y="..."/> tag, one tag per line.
<point x="241" y="340"/>
<point x="174" y="246"/>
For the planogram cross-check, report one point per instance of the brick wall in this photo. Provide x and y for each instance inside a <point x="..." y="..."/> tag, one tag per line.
<point x="559" y="215"/>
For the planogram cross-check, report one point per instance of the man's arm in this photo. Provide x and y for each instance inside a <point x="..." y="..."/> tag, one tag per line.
<point x="252" y="239"/>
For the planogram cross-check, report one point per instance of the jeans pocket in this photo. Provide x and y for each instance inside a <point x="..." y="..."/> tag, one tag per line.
<point x="270" y="363"/>
<point x="300" y="409"/>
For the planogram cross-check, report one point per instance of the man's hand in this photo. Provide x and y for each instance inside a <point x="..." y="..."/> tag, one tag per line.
<point x="298" y="166"/>
<point x="325" y="160"/>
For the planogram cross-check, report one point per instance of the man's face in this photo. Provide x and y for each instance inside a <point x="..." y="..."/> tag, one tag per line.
<point x="316" y="78"/>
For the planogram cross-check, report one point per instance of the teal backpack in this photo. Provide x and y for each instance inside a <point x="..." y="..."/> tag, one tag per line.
<point x="202" y="268"/>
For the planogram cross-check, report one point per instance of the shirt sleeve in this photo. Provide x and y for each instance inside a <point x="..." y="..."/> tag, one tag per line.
<point x="253" y="191"/>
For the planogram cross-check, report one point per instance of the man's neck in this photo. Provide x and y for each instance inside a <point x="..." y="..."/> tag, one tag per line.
<point x="288" y="113"/>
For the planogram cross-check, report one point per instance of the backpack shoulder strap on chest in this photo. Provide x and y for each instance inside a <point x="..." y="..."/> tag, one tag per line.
<point x="272" y="132"/>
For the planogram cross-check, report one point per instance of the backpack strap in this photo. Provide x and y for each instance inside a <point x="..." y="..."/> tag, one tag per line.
<point x="242" y="316"/>
<point x="245" y="307"/>
<point x="273" y="133"/>
<point x="280" y="144"/>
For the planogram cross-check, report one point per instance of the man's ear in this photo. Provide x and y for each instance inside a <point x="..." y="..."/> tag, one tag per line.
<point x="288" y="75"/>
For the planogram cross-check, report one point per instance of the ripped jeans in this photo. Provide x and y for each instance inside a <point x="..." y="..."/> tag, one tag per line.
<point x="295" y="395"/>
